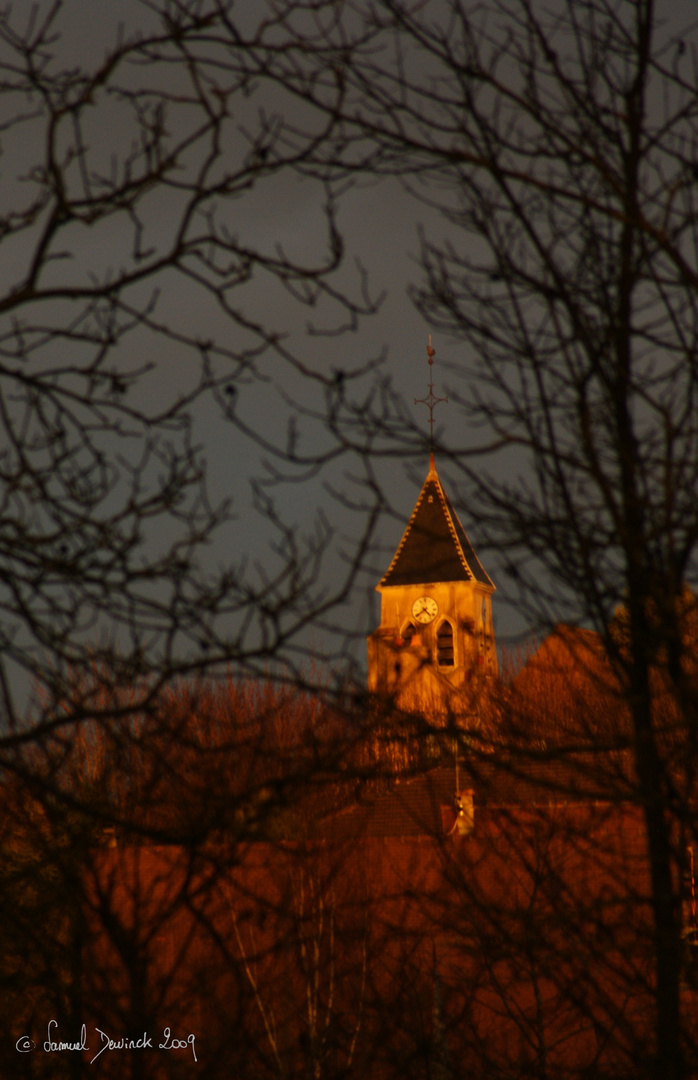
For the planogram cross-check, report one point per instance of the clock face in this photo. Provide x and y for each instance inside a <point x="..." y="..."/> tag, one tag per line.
<point x="425" y="609"/>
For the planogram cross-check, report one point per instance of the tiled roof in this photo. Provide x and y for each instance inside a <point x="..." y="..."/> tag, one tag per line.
<point x="435" y="546"/>
<point x="413" y="807"/>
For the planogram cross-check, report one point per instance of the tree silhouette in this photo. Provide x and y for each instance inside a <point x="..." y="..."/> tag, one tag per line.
<point x="128" y="319"/>
<point x="557" y="143"/>
<point x="125" y="321"/>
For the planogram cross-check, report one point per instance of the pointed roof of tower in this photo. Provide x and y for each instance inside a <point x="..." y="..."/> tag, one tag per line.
<point x="435" y="546"/>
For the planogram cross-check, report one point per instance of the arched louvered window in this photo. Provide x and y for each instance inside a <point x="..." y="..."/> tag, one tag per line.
<point x="444" y="645"/>
<point x="409" y="632"/>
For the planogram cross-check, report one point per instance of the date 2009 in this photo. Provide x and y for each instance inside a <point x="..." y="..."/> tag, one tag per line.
<point x="54" y="1045"/>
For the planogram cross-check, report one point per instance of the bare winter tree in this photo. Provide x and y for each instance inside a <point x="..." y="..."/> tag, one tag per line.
<point x="130" y="174"/>
<point x="139" y="165"/>
<point x="558" y="144"/>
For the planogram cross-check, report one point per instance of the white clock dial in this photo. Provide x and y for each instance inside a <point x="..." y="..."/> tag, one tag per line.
<point x="425" y="609"/>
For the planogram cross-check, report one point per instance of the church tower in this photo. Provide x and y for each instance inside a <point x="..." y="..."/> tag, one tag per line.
<point x="435" y="634"/>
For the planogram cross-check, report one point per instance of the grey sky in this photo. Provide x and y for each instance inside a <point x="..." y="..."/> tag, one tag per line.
<point x="380" y="224"/>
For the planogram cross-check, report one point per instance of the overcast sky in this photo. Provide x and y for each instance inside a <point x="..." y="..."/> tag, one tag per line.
<point x="380" y="225"/>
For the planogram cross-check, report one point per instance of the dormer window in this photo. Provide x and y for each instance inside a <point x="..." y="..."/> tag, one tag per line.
<point x="444" y="645"/>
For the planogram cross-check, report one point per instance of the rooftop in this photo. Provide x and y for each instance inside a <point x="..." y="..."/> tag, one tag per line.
<point x="434" y="546"/>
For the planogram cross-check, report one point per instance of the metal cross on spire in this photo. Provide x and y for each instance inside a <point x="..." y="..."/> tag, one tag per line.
<point x="431" y="399"/>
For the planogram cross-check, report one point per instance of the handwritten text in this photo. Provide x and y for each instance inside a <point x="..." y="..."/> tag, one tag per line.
<point x="55" y="1045"/>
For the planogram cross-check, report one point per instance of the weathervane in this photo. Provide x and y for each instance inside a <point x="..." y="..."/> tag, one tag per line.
<point x="431" y="399"/>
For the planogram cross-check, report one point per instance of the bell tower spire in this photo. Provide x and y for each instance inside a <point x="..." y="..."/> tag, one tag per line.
<point x="435" y="633"/>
